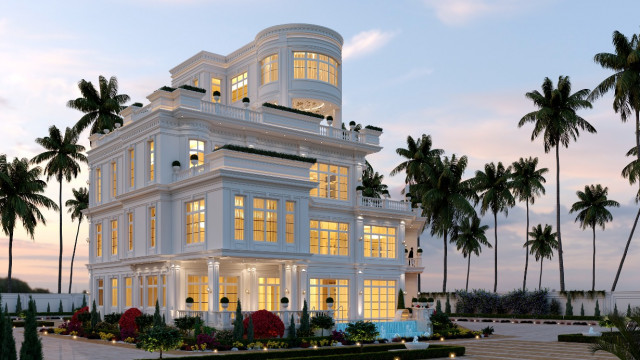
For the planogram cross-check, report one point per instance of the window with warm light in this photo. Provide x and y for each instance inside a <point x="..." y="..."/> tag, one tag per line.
<point x="152" y="226"/>
<point x="228" y="287"/>
<point x="239" y="87"/>
<point x="196" y="147"/>
<point x="132" y="168"/>
<point x="314" y="66"/>
<point x="269" y="66"/>
<point x="152" y="290"/>
<point x="98" y="240"/>
<point x="265" y="220"/>
<point x="100" y="292"/>
<point x="290" y="218"/>
<point x="98" y="185"/>
<point x="114" y="179"/>
<point x="114" y="237"/>
<point x="379" y="241"/>
<point x="128" y="292"/>
<point x="379" y="299"/>
<point x="163" y="284"/>
<point x="141" y="287"/>
<point x="195" y="221"/>
<point x="114" y="292"/>
<point x="195" y="82"/>
<point x="238" y="227"/>
<point x="338" y="289"/>
<point x="333" y="181"/>
<point x="215" y="86"/>
<point x="328" y="238"/>
<point x="152" y="161"/>
<point x="197" y="289"/>
<point x="269" y="293"/>
<point x="130" y="231"/>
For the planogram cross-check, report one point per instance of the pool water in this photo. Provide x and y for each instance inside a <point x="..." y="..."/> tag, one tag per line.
<point x="391" y="329"/>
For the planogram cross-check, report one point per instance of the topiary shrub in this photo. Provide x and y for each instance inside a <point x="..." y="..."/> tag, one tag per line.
<point x="127" y="321"/>
<point x="322" y="321"/>
<point x="597" y="309"/>
<point x="265" y="325"/>
<point x="160" y="338"/>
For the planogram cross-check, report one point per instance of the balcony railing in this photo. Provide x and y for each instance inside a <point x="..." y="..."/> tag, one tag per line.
<point x="386" y="204"/>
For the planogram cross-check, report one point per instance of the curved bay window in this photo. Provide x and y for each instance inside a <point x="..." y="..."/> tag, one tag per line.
<point x="269" y="66"/>
<point x="314" y="66"/>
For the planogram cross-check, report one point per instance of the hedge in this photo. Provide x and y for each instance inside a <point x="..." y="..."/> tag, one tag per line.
<point x="267" y="153"/>
<point x="371" y="127"/>
<point x="20" y="324"/>
<point x="517" y="316"/>
<point x="434" y="351"/>
<point x="301" y="112"/>
<point x="193" y="88"/>
<point x="579" y="338"/>
<point x="167" y="88"/>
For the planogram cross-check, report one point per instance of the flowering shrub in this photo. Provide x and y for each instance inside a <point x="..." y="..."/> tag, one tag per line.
<point x="128" y="319"/>
<point x="106" y="336"/>
<point x="59" y="331"/>
<point x="265" y="325"/>
<point x="75" y="324"/>
<point x="129" y="333"/>
<point x="129" y="340"/>
<point x="208" y="341"/>
<point x="338" y="336"/>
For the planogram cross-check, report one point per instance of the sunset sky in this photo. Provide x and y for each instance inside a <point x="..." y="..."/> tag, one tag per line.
<point x="456" y="70"/>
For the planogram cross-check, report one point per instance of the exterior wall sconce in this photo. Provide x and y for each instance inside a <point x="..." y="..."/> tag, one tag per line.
<point x="286" y="291"/>
<point x="360" y="292"/>
<point x="361" y="238"/>
<point x="359" y="271"/>
<point x="208" y="290"/>
<point x="246" y="291"/>
<point x="304" y="270"/>
<point x="304" y="292"/>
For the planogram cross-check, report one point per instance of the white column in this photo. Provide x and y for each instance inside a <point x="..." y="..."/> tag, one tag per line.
<point x="358" y="238"/>
<point x="92" y="292"/>
<point x="253" y="303"/>
<point x="359" y="294"/>
<point x="303" y="285"/>
<point x="287" y="284"/>
<point x="214" y="284"/>
<point x="177" y="290"/>
<point x="400" y="244"/>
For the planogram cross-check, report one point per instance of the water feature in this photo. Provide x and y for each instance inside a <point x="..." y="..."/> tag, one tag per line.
<point x="391" y="329"/>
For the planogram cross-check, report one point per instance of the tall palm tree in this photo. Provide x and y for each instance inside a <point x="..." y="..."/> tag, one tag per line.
<point x="527" y="184"/>
<point x="63" y="156"/>
<point x="76" y="205"/>
<point x="445" y="198"/>
<point x="556" y="120"/>
<point x="101" y="108"/>
<point x="592" y="211"/>
<point x="625" y="82"/>
<point x="372" y="185"/>
<point x="494" y="188"/>
<point x="468" y="235"/>
<point x="418" y="154"/>
<point x="542" y="244"/>
<point x="20" y="198"/>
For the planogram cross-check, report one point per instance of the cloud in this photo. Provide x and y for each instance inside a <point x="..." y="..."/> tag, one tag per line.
<point x="365" y="43"/>
<point x="461" y="12"/>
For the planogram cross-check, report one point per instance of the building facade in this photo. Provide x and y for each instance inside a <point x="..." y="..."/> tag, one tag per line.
<point x="201" y="194"/>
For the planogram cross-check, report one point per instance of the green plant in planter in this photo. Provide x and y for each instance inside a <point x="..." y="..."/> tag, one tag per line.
<point x="487" y="331"/>
<point x="419" y="250"/>
<point x="322" y="321"/>
<point x="329" y="300"/>
<point x="189" y="300"/>
<point x="284" y="300"/>
<point x="216" y="93"/>
<point x="414" y="300"/>
<point x="175" y="163"/>
<point x="224" y="300"/>
<point x="422" y="299"/>
<point x="193" y="157"/>
<point x="246" y="100"/>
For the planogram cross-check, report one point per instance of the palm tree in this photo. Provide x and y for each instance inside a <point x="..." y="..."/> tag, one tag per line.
<point x="542" y="244"/>
<point x="372" y="185"/>
<point x="626" y="345"/>
<point x="76" y="205"/>
<point x="592" y="211"/>
<point x="445" y="198"/>
<point x="418" y="154"/>
<point x="557" y="121"/>
<point x="527" y="184"/>
<point x="625" y="81"/>
<point x="62" y="155"/>
<point x="101" y="109"/>
<point x="20" y="198"/>
<point x="494" y="188"/>
<point x="469" y="237"/>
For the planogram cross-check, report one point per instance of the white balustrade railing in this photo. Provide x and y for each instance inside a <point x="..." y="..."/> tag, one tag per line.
<point x="191" y="172"/>
<point x="386" y="204"/>
<point x="414" y="262"/>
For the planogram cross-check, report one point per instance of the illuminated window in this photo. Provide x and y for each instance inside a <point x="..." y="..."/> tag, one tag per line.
<point x="98" y="240"/>
<point x="197" y="289"/>
<point x="239" y="218"/>
<point x="328" y="238"/>
<point x="114" y="292"/>
<point x="265" y="220"/>
<point x="98" y="185"/>
<point x="338" y="289"/>
<point x="152" y="226"/>
<point x="128" y="292"/>
<point x="309" y="65"/>
<point x="195" y="221"/>
<point x="141" y="287"/>
<point x="379" y="299"/>
<point x="132" y="168"/>
<point x="379" y="241"/>
<point x="152" y="290"/>
<point x="195" y="82"/>
<point x="269" y="69"/>
<point x="163" y="283"/>
<point x="229" y="288"/>
<point x="152" y="160"/>
<point x="215" y="86"/>
<point x="269" y="293"/>
<point x="100" y="292"/>
<point x="196" y="147"/>
<point x="333" y="181"/>
<point x="114" y="179"/>
<point x="114" y="237"/>
<point x="239" y="87"/>
<point x="290" y="222"/>
<point x="130" y="231"/>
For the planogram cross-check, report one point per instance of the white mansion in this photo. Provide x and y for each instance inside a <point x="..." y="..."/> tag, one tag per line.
<point x="202" y="194"/>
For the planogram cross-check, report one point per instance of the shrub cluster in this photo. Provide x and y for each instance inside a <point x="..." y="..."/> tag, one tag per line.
<point x="516" y="302"/>
<point x="265" y="325"/>
<point x="301" y="112"/>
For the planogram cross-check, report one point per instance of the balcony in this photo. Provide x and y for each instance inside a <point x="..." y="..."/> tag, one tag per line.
<point x="414" y="265"/>
<point x="385" y="205"/>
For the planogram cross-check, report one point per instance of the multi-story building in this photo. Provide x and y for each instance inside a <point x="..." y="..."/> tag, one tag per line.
<point x="185" y="202"/>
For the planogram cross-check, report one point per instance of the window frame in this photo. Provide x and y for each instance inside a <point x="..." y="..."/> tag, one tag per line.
<point x="197" y="150"/>
<point x="239" y="92"/>
<point x="114" y="237"/>
<point x="198" y="209"/>
<point x="326" y="186"/>
<point x="308" y="65"/>
<point x="389" y="252"/>
<point x="99" y="240"/>
<point x="268" y="223"/>
<point x="269" y="69"/>
<point x="342" y="237"/>
<point x="153" y="212"/>
<point x="239" y="232"/>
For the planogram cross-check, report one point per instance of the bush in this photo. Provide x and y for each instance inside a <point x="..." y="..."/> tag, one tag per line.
<point x="208" y="341"/>
<point x="440" y="321"/>
<point x="185" y="323"/>
<point x="31" y="346"/>
<point x="284" y="108"/>
<point x="160" y="338"/>
<point x="113" y="318"/>
<point x="361" y="331"/>
<point x="144" y="321"/>
<point x="554" y="307"/>
<point x="516" y="302"/>
<point x="322" y="321"/>
<point x="266" y="324"/>
<point x="193" y="88"/>
<point x="127" y="321"/>
<point x="225" y="337"/>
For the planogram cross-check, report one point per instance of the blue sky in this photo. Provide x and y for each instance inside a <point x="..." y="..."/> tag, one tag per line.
<point x="457" y="70"/>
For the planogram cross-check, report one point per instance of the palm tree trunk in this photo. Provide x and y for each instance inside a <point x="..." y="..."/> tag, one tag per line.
<point x="540" y="281"/>
<point x="74" y="255"/>
<point x="495" y="248"/>
<point x="60" y="256"/>
<point x="626" y="248"/>
<point x="466" y="288"/>
<point x="560" y="259"/>
<point x="593" y="280"/>
<point x="10" y="260"/>
<point x="444" y="281"/>
<point x="526" y="258"/>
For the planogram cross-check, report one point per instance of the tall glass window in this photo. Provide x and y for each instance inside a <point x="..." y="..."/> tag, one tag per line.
<point x="239" y="88"/>
<point x="100" y="292"/>
<point x="114" y="237"/>
<point x="98" y="240"/>
<point x="328" y="238"/>
<point x="228" y="287"/>
<point x="195" y="221"/>
<point x="128" y="292"/>
<point x="197" y="289"/>
<point x="333" y="181"/>
<point x="310" y="65"/>
<point x="114" y="292"/>
<point x="215" y="86"/>
<point x="196" y="147"/>
<point x="98" y="185"/>
<point x="269" y="293"/>
<point x="379" y="241"/>
<point x="114" y="179"/>
<point x="290" y="222"/>
<point x="141" y="287"/>
<point x="152" y="226"/>
<point x="132" y="168"/>
<point x="130" y="231"/>
<point x="265" y="220"/>
<point x="338" y="289"/>
<point x="269" y="66"/>
<point x="163" y="284"/>
<point x="379" y="299"/>
<point x="239" y="217"/>
<point x="152" y="160"/>
<point x="152" y="290"/>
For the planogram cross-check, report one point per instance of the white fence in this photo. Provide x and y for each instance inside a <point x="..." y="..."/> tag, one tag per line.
<point x="69" y="301"/>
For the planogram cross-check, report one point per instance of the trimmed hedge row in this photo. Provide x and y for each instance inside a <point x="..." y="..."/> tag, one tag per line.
<point x="434" y="351"/>
<point x="285" y="108"/>
<point x="579" y="338"/>
<point x="516" y="316"/>
<point x="20" y="324"/>
<point x="371" y="127"/>
<point x="267" y="153"/>
<point x="193" y="88"/>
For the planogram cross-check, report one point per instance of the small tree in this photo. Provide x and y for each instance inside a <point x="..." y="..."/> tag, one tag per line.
<point x="597" y="310"/>
<point x="238" y="326"/>
<point x="31" y="346"/>
<point x="568" y="311"/>
<point x="157" y="319"/>
<point x="447" y="306"/>
<point x="95" y="315"/>
<point x="322" y="321"/>
<point x="48" y="308"/>
<point x="615" y="310"/>
<point x="305" y="326"/>
<point x="581" y="309"/>
<point x="60" y="308"/>
<point x="438" y="306"/>
<point x="84" y="301"/>
<point x="400" y="300"/>
<point x="18" y="306"/>
<point x="250" y="330"/>
<point x="292" y="329"/>
<point x="160" y="338"/>
<point x="628" y="310"/>
<point x="8" y="348"/>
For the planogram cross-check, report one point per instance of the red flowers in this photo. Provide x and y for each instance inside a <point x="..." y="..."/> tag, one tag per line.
<point x="265" y="325"/>
<point x="128" y="319"/>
